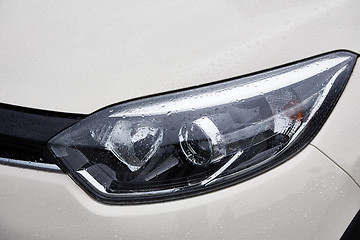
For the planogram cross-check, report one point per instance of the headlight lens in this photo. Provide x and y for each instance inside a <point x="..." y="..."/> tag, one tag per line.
<point x="197" y="140"/>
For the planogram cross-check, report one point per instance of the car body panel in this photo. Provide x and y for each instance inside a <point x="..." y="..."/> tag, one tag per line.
<point x="339" y="137"/>
<point x="79" y="56"/>
<point x="308" y="197"/>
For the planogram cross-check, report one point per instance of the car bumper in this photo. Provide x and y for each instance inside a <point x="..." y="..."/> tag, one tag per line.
<point x="308" y="197"/>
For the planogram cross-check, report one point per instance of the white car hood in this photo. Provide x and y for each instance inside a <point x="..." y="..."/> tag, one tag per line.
<point x="79" y="56"/>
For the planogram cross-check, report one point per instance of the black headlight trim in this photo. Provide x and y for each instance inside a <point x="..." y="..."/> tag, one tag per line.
<point x="24" y="133"/>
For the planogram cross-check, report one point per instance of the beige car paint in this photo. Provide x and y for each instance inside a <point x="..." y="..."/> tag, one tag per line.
<point x="307" y="197"/>
<point x="79" y="56"/>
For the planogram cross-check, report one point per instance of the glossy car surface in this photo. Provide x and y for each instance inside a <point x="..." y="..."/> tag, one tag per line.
<point x="79" y="56"/>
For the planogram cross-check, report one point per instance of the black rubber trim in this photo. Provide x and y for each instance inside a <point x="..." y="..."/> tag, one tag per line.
<point x="353" y="230"/>
<point x="24" y="133"/>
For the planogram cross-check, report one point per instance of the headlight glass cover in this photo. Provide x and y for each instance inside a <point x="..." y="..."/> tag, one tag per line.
<point x="201" y="139"/>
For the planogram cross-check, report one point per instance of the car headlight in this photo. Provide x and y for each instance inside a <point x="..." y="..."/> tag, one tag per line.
<point x="197" y="140"/>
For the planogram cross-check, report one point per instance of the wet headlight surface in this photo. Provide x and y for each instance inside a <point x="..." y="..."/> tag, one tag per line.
<point x="198" y="140"/>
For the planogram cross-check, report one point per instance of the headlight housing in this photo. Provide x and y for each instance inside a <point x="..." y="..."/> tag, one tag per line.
<point x="197" y="140"/>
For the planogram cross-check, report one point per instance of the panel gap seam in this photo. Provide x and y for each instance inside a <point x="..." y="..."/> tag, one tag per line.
<point x="335" y="163"/>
